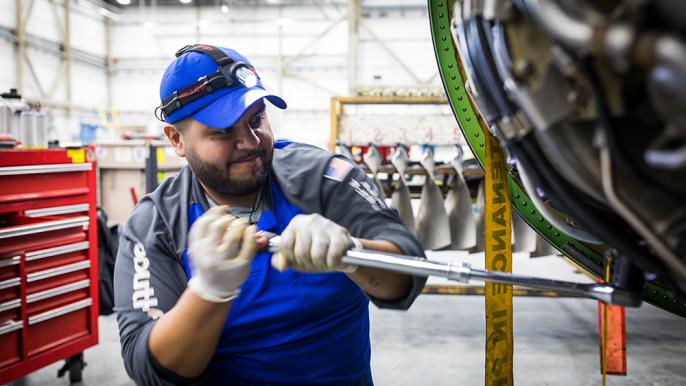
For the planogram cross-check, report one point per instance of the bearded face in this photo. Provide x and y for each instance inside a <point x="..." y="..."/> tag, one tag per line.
<point x="241" y="175"/>
<point x="231" y="162"/>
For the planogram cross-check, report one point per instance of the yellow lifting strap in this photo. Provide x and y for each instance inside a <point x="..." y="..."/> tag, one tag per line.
<point x="498" y="247"/>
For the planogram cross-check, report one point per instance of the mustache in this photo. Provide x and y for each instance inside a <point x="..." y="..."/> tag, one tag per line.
<point x="245" y="155"/>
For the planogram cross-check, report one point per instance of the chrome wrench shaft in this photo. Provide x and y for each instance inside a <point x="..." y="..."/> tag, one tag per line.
<point x="418" y="266"/>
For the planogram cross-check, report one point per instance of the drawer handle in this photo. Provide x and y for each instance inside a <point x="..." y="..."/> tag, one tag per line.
<point x="10" y="326"/>
<point x="58" y="290"/>
<point x="57" y="250"/>
<point x="12" y="304"/>
<point x="44" y="227"/>
<point x="40" y="275"/>
<point x="66" y="209"/>
<point x="9" y="283"/>
<point x="60" y="311"/>
<point x="40" y="169"/>
<point x="14" y="260"/>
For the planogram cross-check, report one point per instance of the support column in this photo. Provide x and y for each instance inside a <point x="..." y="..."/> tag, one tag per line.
<point x="20" y="45"/>
<point x="197" y="24"/>
<point x="281" y="62"/>
<point x="109" y="62"/>
<point x="353" y="30"/>
<point x="68" y="58"/>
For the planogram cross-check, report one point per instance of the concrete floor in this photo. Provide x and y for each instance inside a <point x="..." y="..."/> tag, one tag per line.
<point x="440" y="342"/>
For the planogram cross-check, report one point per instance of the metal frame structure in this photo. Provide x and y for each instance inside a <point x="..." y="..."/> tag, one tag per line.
<point x="64" y="71"/>
<point x="338" y="103"/>
<point x="470" y="123"/>
<point x="61" y="48"/>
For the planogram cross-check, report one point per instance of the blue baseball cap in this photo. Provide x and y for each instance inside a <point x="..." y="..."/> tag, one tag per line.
<point x="219" y="109"/>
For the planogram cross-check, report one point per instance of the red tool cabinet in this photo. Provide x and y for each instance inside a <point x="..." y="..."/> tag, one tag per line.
<point x="48" y="258"/>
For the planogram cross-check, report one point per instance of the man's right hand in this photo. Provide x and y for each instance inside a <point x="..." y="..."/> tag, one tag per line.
<point x="220" y="248"/>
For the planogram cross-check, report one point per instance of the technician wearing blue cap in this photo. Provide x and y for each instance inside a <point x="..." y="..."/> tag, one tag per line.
<point x="197" y="300"/>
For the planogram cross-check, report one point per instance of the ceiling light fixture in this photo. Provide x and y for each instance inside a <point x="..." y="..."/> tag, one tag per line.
<point x="124" y="2"/>
<point x="185" y="1"/>
<point x="224" y="8"/>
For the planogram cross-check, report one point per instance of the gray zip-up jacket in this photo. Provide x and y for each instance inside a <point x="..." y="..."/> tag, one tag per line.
<point x="149" y="275"/>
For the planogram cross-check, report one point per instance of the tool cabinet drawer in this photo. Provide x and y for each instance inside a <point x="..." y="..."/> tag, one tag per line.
<point x="10" y="335"/>
<point x="42" y="210"/>
<point x="30" y="182"/>
<point x="56" y="296"/>
<point x="19" y="234"/>
<point x="55" y="277"/>
<point x="58" y="326"/>
<point x="10" y="331"/>
<point x="10" y="310"/>
<point x="48" y="258"/>
<point x="10" y="289"/>
<point x="9" y="267"/>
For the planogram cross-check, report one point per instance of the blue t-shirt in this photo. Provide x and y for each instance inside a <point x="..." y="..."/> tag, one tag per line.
<point x="309" y="327"/>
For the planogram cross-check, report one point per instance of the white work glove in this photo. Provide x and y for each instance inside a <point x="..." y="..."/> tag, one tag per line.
<point x="220" y="249"/>
<point x="312" y="243"/>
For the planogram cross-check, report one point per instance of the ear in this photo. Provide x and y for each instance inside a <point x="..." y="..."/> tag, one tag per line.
<point x="175" y="139"/>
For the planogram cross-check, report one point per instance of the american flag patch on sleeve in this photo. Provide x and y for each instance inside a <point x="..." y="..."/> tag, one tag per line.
<point x="337" y="169"/>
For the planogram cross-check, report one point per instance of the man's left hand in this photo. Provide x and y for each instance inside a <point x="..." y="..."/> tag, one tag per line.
<point x="313" y="243"/>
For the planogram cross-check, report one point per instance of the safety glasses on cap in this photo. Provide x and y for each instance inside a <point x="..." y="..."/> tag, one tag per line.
<point x="230" y="73"/>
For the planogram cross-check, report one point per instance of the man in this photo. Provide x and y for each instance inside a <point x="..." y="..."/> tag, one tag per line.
<point x="207" y="306"/>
